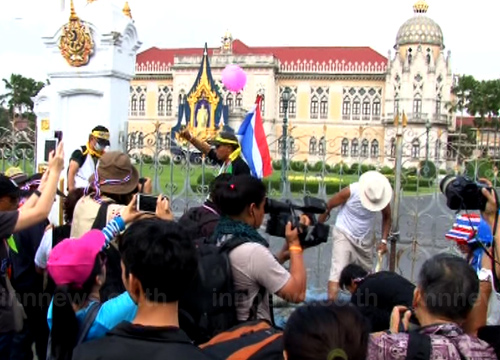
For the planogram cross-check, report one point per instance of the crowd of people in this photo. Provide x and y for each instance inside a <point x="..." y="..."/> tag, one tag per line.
<point x="114" y="282"/>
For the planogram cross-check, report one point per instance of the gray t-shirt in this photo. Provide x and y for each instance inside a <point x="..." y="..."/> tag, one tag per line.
<point x="253" y="266"/>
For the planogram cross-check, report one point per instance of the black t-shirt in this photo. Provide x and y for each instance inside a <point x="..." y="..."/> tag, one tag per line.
<point x="239" y="165"/>
<point x="131" y="341"/>
<point x="79" y="157"/>
<point x="8" y="220"/>
<point x="377" y="295"/>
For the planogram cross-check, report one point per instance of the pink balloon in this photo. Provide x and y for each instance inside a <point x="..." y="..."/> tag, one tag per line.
<point x="234" y="78"/>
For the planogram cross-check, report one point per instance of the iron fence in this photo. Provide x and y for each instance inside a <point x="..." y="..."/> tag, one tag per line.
<point x="183" y="174"/>
<point x="17" y="148"/>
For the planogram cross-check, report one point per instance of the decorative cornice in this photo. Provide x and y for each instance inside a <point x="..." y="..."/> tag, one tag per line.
<point x="313" y="76"/>
<point x="305" y="66"/>
<point x="166" y="76"/>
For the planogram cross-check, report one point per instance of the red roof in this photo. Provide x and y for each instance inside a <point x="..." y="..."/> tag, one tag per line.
<point x="465" y="121"/>
<point x="362" y="54"/>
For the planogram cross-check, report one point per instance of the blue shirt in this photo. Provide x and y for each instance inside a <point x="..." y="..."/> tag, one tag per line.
<point x="111" y="313"/>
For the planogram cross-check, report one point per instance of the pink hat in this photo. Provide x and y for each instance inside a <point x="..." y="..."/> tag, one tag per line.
<point x="72" y="260"/>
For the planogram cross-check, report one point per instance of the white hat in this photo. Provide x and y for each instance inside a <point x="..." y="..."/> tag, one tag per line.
<point x="375" y="191"/>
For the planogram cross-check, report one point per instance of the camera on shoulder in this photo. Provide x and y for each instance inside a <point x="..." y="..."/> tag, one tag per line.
<point x="280" y="213"/>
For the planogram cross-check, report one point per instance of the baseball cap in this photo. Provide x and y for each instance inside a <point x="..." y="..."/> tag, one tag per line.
<point x="8" y="187"/>
<point x="72" y="260"/>
<point x="101" y="133"/>
<point x="17" y="175"/>
<point x="226" y="138"/>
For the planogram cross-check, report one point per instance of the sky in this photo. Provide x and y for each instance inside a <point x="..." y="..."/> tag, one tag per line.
<point x="470" y="28"/>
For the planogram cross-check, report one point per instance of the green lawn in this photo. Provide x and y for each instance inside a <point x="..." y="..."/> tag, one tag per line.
<point x="178" y="176"/>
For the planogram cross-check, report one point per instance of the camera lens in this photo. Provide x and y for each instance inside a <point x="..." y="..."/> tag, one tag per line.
<point x="447" y="180"/>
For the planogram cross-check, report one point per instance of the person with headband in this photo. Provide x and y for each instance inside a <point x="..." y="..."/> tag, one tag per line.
<point x="227" y="152"/>
<point x="83" y="161"/>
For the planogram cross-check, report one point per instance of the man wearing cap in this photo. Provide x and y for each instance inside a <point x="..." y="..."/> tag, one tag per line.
<point x="227" y="152"/>
<point x="353" y="232"/>
<point x="83" y="161"/>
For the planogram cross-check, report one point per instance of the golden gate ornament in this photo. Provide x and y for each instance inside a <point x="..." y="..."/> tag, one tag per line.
<point x="76" y="43"/>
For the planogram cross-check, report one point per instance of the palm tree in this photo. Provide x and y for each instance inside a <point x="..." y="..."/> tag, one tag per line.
<point x="18" y="98"/>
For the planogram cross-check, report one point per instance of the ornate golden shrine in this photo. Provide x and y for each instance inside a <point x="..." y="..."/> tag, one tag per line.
<point x="198" y="117"/>
<point x="76" y="43"/>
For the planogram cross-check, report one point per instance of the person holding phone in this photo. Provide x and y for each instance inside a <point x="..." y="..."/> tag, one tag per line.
<point x="83" y="161"/>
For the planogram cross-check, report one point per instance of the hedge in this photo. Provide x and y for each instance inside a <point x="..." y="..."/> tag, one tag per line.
<point x="333" y="184"/>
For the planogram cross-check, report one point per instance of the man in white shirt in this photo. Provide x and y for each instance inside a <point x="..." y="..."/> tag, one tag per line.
<point x="353" y="231"/>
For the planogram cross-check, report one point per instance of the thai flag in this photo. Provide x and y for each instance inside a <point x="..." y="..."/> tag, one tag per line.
<point x="254" y="143"/>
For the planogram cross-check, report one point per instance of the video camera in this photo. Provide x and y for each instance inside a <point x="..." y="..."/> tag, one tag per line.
<point x="462" y="193"/>
<point x="280" y="213"/>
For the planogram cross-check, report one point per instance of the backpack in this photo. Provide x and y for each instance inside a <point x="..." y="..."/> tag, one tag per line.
<point x="208" y="306"/>
<point x="420" y="347"/>
<point x="84" y="329"/>
<point x="254" y="340"/>
<point x="113" y="285"/>
<point x="201" y="220"/>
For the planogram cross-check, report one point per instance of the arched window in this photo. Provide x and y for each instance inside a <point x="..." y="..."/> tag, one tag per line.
<point x="161" y="105"/>
<point x="366" y="108"/>
<point x="356" y="108"/>
<point x="229" y="101"/>
<point x="376" y="109"/>
<point x="417" y="106"/>
<point x="133" y="105"/>
<point x="438" y="107"/>
<point x="344" y="148"/>
<point x="346" y="109"/>
<point x="323" y="108"/>
<point x="292" y="107"/>
<point x="415" y="149"/>
<point x="314" y="107"/>
<point x="374" y="149"/>
<point x="142" y="105"/>
<point x="169" y="104"/>
<point x="396" y="107"/>
<point x="312" y="146"/>
<point x="239" y="100"/>
<point x="322" y="146"/>
<point x="393" y="148"/>
<point x="364" y="148"/>
<point x="354" y="147"/>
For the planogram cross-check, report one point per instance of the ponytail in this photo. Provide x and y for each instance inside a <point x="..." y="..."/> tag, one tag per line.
<point x="64" y="325"/>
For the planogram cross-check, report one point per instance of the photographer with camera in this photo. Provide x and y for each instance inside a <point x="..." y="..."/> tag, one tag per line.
<point x="352" y="235"/>
<point x="256" y="272"/>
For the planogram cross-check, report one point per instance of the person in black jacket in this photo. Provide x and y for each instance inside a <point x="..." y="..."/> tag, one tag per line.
<point x="158" y="265"/>
<point x="202" y="220"/>
<point x="375" y="295"/>
<point x="227" y="152"/>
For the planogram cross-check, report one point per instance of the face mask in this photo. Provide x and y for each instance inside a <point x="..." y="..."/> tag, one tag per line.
<point x="98" y="147"/>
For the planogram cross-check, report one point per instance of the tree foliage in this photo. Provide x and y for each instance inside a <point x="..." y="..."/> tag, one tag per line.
<point x="18" y="96"/>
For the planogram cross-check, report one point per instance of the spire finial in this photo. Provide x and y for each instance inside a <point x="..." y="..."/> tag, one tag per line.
<point x="420" y="7"/>
<point x="72" y="15"/>
<point x="126" y="10"/>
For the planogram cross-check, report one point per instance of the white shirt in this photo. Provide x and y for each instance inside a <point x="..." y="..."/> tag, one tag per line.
<point x="43" y="252"/>
<point x="353" y="218"/>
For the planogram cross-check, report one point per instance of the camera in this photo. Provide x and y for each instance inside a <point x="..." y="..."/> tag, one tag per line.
<point x="462" y="193"/>
<point x="280" y="213"/>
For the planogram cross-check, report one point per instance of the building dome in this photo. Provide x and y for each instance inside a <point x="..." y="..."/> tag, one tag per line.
<point x="420" y="29"/>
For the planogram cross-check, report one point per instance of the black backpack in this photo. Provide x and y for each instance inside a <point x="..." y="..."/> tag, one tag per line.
<point x="208" y="307"/>
<point x="113" y="286"/>
<point x="200" y="221"/>
<point x="84" y="329"/>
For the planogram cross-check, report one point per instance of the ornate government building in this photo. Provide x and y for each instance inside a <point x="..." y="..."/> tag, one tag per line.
<point x="343" y="99"/>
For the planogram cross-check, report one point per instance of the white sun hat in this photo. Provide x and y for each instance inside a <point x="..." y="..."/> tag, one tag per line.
<point x="375" y="191"/>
